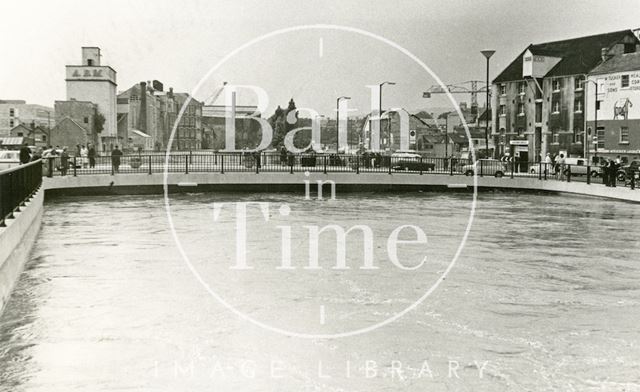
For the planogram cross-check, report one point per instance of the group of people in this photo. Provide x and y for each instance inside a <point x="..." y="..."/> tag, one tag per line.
<point x="609" y="168"/>
<point x="557" y="164"/>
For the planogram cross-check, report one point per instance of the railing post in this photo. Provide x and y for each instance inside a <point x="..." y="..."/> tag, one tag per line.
<point x="325" y="164"/>
<point x="420" y="165"/>
<point x="149" y="161"/>
<point x="588" y="174"/>
<point x="512" y="167"/>
<point x="75" y="174"/>
<point x="390" y="164"/>
<point x="481" y="167"/>
<point x="186" y="164"/>
<point x="50" y="167"/>
<point x="257" y="160"/>
<point x="450" y="167"/>
<point x="546" y="170"/>
<point x="222" y="164"/>
<point x="568" y="173"/>
<point x="292" y="160"/>
<point x="540" y="171"/>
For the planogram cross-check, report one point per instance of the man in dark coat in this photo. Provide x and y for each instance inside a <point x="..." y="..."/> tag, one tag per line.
<point x="64" y="162"/>
<point x="115" y="159"/>
<point x="25" y="154"/>
<point x="92" y="156"/>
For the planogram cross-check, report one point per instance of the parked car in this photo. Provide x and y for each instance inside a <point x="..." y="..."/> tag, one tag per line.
<point x="485" y="167"/>
<point x="410" y="161"/>
<point x="9" y="159"/>
<point x="627" y="171"/>
<point x="578" y="166"/>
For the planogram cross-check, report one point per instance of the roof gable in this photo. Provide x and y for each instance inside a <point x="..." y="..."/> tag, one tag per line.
<point x="579" y="55"/>
<point x="620" y="63"/>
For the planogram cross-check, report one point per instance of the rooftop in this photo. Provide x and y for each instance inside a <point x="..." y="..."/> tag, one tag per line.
<point x="620" y="63"/>
<point x="579" y="55"/>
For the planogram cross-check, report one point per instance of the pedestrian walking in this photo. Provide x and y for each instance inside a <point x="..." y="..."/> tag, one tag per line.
<point x="92" y="156"/>
<point x="561" y="166"/>
<point x="604" y="167"/>
<point x="548" y="163"/>
<point x="116" y="154"/>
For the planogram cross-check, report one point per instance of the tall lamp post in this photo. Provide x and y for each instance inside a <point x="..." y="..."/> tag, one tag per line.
<point x="338" y="122"/>
<point x="595" y="126"/>
<point x="487" y="54"/>
<point x="380" y="104"/>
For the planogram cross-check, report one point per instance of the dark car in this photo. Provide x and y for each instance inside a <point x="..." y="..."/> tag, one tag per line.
<point x="627" y="171"/>
<point x="413" y="165"/>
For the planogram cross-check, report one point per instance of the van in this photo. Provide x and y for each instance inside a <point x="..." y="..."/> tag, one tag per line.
<point x="9" y="159"/>
<point x="578" y="167"/>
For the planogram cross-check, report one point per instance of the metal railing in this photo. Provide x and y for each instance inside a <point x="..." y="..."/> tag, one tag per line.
<point x="17" y="185"/>
<point x="223" y="162"/>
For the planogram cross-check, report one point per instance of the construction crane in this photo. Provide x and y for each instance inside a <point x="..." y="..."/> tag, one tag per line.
<point x="215" y="95"/>
<point x="468" y="87"/>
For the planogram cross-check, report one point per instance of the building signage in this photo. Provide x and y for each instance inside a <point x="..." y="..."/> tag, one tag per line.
<point x="90" y="73"/>
<point x="519" y="142"/>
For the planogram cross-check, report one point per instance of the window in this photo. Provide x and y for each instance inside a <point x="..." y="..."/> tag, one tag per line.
<point x="520" y="131"/>
<point x="556" y="107"/>
<point x="522" y="87"/>
<point x="90" y="62"/>
<point x="555" y="136"/>
<point x="624" y="81"/>
<point x="44" y="138"/>
<point x="11" y="123"/>
<point x="521" y="109"/>
<point x="597" y="105"/>
<point x="86" y="120"/>
<point x="577" y="106"/>
<point x="600" y="138"/>
<point x="503" y="89"/>
<point x="556" y="84"/>
<point x="502" y="110"/>
<point x="578" y="82"/>
<point x="20" y="134"/>
<point x="12" y="112"/>
<point x="629" y="48"/>
<point x="624" y="135"/>
<point x="578" y="136"/>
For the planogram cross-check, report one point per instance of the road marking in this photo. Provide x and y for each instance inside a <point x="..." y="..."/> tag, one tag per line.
<point x="322" y="318"/>
<point x="321" y="47"/>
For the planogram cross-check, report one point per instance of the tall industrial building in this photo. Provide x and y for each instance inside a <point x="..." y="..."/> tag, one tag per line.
<point x="96" y="83"/>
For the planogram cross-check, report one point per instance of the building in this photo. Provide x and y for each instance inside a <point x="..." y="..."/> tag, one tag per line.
<point x="189" y="131"/>
<point x="92" y="82"/>
<point x="618" y="107"/>
<point x="139" y="117"/>
<point x="214" y="125"/>
<point x="16" y="112"/>
<point x="538" y="99"/>
<point x="84" y="114"/>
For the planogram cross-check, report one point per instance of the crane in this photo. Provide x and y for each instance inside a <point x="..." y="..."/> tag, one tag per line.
<point x="215" y="95"/>
<point x="468" y="87"/>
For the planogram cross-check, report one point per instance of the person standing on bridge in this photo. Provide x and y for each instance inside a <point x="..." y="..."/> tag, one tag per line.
<point x="92" y="156"/>
<point x="25" y="154"/>
<point x="115" y="159"/>
<point x="64" y="162"/>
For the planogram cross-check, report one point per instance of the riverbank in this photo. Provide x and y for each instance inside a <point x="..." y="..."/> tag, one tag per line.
<point x="16" y="241"/>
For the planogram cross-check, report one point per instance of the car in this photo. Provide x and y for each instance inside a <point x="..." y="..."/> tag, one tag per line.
<point x="9" y="159"/>
<point x="626" y="171"/>
<point x="487" y="167"/>
<point x="410" y="161"/>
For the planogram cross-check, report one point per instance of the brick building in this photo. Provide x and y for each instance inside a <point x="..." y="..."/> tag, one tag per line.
<point x="14" y="112"/>
<point x="618" y="106"/>
<point x="538" y="100"/>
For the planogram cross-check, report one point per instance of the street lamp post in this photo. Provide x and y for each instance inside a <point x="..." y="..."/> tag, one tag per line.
<point x="487" y="54"/>
<point x="338" y="122"/>
<point x="589" y="139"/>
<point x="380" y="105"/>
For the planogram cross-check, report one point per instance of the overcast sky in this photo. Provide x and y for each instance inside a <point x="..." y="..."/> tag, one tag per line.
<point x="177" y="42"/>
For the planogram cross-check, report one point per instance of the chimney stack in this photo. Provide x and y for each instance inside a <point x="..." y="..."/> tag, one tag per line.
<point x="604" y="54"/>
<point x="142" y="115"/>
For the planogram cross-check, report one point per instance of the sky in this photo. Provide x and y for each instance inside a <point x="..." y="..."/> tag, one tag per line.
<point x="178" y="43"/>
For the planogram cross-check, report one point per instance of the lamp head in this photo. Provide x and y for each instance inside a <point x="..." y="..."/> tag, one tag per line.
<point x="487" y="53"/>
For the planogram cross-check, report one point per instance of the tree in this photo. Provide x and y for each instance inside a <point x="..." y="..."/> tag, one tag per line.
<point x="98" y="122"/>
